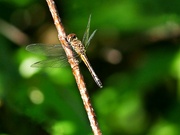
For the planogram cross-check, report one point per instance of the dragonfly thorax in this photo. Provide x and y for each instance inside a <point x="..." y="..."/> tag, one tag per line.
<point x="76" y="44"/>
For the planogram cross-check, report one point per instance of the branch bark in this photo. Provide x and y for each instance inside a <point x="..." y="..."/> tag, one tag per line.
<point x="75" y="68"/>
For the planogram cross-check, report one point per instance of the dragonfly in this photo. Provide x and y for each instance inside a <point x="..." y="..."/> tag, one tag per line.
<point x="56" y="56"/>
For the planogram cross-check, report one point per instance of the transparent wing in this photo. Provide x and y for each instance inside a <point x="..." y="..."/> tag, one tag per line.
<point x="47" y="50"/>
<point x="54" y="62"/>
<point x="86" y="39"/>
<point x="88" y="42"/>
<point x="86" y="33"/>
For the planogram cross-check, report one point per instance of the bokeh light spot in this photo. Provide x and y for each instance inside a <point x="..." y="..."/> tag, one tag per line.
<point x="63" y="128"/>
<point x="36" y="96"/>
<point x="25" y="68"/>
<point x="113" y="56"/>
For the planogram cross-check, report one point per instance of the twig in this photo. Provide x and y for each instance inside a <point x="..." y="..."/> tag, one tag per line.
<point x="75" y="68"/>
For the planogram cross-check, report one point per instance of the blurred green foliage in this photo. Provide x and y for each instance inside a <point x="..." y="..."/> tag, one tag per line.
<point x="135" y="52"/>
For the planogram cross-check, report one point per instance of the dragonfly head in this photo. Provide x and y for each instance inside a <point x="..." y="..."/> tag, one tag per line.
<point x="71" y="37"/>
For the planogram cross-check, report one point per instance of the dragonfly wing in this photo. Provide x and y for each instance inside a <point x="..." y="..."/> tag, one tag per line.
<point x="86" y="39"/>
<point x="54" y="62"/>
<point x="86" y="33"/>
<point x="47" y="50"/>
<point x="88" y="42"/>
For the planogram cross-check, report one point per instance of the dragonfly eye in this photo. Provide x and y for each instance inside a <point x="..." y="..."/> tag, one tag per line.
<point x="71" y="37"/>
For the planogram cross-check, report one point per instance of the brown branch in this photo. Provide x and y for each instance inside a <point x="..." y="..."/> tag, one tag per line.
<point x="75" y="68"/>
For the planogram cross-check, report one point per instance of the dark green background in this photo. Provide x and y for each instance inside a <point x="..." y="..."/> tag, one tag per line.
<point x="141" y="93"/>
